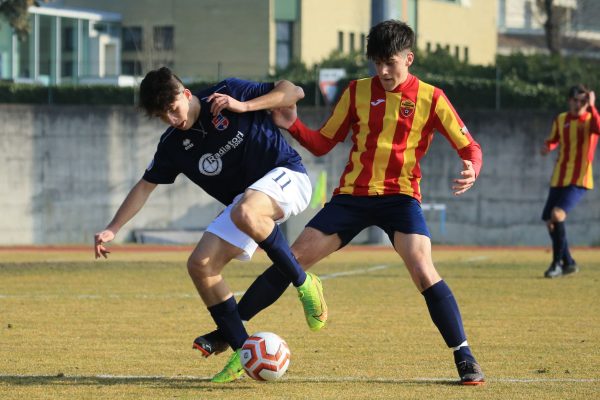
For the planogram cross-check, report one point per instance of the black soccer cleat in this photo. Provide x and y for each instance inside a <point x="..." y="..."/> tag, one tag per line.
<point x="470" y="373"/>
<point x="207" y="347"/>
<point x="555" y="270"/>
<point x="570" y="269"/>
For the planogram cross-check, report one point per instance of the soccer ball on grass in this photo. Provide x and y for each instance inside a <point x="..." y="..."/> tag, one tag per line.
<point x="265" y="356"/>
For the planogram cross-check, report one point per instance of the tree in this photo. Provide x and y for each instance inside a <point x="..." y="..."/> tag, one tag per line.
<point x="556" y="18"/>
<point x="15" y="11"/>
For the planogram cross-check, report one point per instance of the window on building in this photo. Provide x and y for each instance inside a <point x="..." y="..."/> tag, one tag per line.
<point x="68" y="38"/>
<point x="67" y="69"/>
<point x="351" y="42"/>
<point x="45" y="49"/>
<point x="456" y="52"/>
<point x="283" y="52"/>
<point x="164" y="38"/>
<point x="466" y="55"/>
<point x="340" y="41"/>
<point x="131" y="38"/>
<point x="428" y="47"/>
<point x="131" y="68"/>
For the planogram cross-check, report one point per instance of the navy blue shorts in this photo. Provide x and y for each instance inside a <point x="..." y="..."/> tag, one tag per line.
<point x="565" y="198"/>
<point x="347" y="215"/>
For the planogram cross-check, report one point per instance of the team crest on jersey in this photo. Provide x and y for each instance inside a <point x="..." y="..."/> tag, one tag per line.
<point x="187" y="144"/>
<point x="220" y="122"/>
<point x="407" y="107"/>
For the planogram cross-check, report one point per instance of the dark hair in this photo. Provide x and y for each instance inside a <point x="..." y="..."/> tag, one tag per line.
<point x="388" y="38"/>
<point x="577" y="90"/>
<point x="158" y="90"/>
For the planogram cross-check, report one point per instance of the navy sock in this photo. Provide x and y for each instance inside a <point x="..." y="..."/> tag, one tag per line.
<point x="559" y="237"/>
<point x="567" y="258"/>
<point x="445" y="314"/>
<point x="229" y="323"/>
<point x="279" y="252"/>
<point x="264" y="291"/>
<point x="464" y="354"/>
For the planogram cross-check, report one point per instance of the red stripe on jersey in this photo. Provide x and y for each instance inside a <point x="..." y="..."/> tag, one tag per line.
<point x="375" y="123"/>
<point x="399" y="144"/>
<point x="565" y="150"/>
<point x="579" y="140"/>
<point x="355" y="127"/>
<point x="425" y="141"/>
<point x="590" y="157"/>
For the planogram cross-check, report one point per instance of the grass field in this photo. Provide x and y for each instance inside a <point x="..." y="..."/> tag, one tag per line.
<point x="72" y="327"/>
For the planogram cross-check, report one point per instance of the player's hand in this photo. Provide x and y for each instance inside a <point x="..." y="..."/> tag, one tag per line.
<point x="467" y="178"/>
<point x="284" y="117"/>
<point x="591" y="98"/>
<point x="99" y="239"/>
<point x="219" y="102"/>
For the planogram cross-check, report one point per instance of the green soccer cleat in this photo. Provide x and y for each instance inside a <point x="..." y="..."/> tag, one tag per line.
<point x="311" y="296"/>
<point x="233" y="369"/>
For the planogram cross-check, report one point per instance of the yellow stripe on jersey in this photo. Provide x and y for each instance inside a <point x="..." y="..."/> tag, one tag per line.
<point x="585" y="174"/>
<point x="422" y="111"/>
<point x="556" y="135"/>
<point x="447" y="118"/>
<point x="385" y="141"/>
<point x="572" y="151"/>
<point x="363" y="96"/>
<point x="338" y="115"/>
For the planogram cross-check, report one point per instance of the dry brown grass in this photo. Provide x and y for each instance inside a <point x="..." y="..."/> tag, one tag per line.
<point x="71" y="327"/>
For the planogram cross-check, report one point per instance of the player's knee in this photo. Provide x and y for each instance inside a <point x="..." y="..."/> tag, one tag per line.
<point x="558" y="214"/>
<point x="199" y="267"/>
<point x="243" y="216"/>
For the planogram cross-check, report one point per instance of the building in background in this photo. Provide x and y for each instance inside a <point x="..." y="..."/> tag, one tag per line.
<point x="521" y="27"/>
<point x="464" y="28"/>
<point x="212" y="39"/>
<point x="64" y="46"/>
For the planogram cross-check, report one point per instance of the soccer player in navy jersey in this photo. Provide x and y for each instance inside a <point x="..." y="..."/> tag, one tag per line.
<point x="392" y="117"/>
<point x="223" y="140"/>
<point x="576" y="133"/>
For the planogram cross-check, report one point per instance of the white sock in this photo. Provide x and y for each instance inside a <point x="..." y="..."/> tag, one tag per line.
<point x="463" y="344"/>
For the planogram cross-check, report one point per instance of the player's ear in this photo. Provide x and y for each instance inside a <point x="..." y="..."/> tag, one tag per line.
<point x="187" y="93"/>
<point x="410" y="57"/>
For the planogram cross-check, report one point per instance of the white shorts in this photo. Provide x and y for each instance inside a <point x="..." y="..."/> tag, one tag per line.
<point x="290" y="189"/>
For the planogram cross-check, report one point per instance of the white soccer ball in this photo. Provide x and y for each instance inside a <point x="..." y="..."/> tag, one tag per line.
<point x="265" y="356"/>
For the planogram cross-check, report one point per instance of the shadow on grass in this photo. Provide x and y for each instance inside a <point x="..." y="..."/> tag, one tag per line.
<point x="164" y="382"/>
<point x="180" y="382"/>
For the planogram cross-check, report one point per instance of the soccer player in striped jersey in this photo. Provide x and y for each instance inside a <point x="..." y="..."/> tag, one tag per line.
<point x="575" y="133"/>
<point x="392" y="117"/>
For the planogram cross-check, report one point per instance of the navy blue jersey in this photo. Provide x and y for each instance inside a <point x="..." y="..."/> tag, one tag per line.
<point x="227" y="153"/>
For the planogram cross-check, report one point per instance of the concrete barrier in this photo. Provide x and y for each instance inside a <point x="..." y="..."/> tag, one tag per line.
<point x="65" y="171"/>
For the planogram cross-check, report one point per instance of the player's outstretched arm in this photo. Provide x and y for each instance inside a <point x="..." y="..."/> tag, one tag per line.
<point x="284" y="94"/>
<point x="133" y="203"/>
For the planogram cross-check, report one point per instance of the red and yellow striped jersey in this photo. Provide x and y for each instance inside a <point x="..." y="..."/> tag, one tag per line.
<point x="576" y="137"/>
<point x="391" y="132"/>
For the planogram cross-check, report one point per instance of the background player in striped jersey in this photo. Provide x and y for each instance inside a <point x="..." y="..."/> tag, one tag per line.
<point x="224" y="141"/>
<point x="392" y="117"/>
<point x="575" y="133"/>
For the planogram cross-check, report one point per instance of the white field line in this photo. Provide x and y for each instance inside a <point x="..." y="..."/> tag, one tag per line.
<point x="167" y="295"/>
<point x="322" y="379"/>
<point x="337" y="274"/>
<point x="476" y="258"/>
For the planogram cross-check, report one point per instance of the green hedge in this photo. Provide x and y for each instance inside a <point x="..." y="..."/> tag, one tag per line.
<point x="84" y="94"/>
<point x="514" y="82"/>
